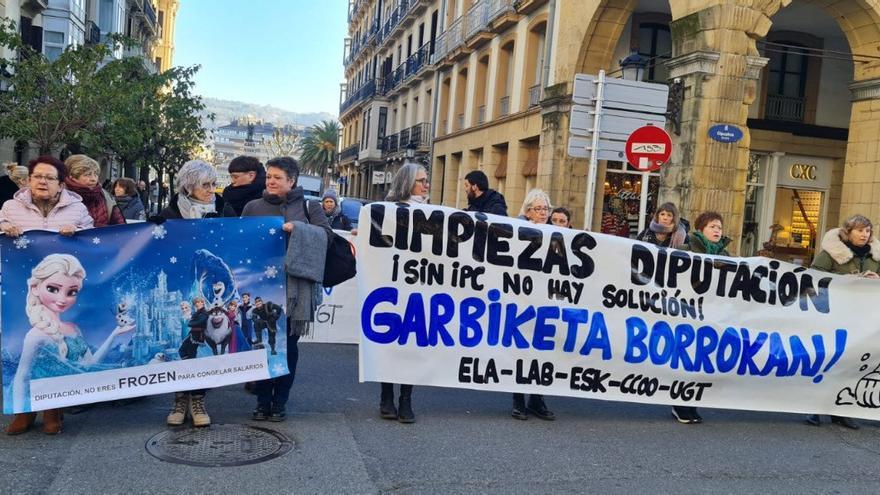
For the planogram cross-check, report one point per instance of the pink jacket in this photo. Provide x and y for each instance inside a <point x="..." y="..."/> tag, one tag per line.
<point x="22" y="212"/>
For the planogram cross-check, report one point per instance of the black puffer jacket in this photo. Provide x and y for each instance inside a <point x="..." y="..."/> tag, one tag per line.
<point x="490" y="201"/>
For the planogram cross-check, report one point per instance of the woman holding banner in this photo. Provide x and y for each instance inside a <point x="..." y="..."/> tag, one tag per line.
<point x="53" y="347"/>
<point x="536" y="209"/>
<point x="667" y="231"/>
<point x="707" y="238"/>
<point x="410" y="186"/>
<point x="666" y="228"/>
<point x="848" y="250"/>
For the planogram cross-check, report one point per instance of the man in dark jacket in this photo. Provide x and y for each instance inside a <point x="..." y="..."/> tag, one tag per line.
<point x="265" y="316"/>
<point x="480" y="197"/>
<point x="248" y="181"/>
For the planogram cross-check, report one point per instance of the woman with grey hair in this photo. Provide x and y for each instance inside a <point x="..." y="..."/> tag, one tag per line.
<point x="195" y="199"/>
<point x="536" y="209"/>
<point x="195" y="196"/>
<point x="410" y="186"/>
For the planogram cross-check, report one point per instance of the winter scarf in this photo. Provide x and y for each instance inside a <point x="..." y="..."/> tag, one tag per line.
<point x="191" y="208"/>
<point x="859" y="252"/>
<point x="304" y="263"/>
<point x="711" y="247"/>
<point x="419" y="200"/>
<point x="93" y="198"/>
<point x="676" y="233"/>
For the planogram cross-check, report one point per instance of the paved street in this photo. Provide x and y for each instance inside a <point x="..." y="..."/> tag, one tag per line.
<point x="464" y="441"/>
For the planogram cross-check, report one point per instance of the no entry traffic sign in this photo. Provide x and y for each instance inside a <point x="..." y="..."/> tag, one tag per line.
<point x="648" y="148"/>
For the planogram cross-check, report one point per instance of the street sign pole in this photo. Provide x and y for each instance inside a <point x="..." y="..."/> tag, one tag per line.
<point x="643" y="203"/>
<point x="594" y="154"/>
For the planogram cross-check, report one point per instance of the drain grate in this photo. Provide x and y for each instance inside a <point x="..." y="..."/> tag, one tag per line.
<point x="218" y="445"/>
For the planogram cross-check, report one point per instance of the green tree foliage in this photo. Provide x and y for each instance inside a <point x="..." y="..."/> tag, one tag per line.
<point x="318" y="147"/>
<point x="90" y="102"/>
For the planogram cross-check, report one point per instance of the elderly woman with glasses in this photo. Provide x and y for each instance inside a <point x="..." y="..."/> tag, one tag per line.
<point x="536" y="208"/>
<point x="45" y="204"/>
<point x="195" y="196"/>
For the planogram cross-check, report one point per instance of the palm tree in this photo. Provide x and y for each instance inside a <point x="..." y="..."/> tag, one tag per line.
<point x="318" y="147"/>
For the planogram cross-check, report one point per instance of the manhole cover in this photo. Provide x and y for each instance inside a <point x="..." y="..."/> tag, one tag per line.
<point x="218" y="445"/>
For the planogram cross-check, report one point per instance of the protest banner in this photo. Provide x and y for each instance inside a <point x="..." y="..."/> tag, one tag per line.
<point x="110" y="312"/>
<point x="459" y="299"/>
<point x="337" y="317"/>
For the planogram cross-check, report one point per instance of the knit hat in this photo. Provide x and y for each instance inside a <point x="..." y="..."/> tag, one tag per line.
<point x="330" y="193"/>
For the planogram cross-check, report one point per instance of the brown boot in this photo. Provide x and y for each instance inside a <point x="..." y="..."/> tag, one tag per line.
<point x="197" y="411"/>
<point x="52" y="419"/>
<point x="21" y="423"/>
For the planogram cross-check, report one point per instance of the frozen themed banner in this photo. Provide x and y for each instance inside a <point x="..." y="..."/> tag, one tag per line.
<point x="457" y="299"/>
<point x="141" y="309"/>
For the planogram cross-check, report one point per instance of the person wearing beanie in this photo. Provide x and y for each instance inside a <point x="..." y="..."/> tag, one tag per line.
<point x="248" y="181"/>
<point x="335" y="217"/>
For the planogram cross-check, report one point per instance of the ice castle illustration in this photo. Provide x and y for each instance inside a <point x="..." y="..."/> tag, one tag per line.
<point x="158" y="322"/>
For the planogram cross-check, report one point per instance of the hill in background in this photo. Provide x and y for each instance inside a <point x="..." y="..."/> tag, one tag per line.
<point x="227" y="110"/>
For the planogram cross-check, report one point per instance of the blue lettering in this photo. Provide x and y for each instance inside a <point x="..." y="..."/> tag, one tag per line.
<point x="512" y="321"/>
<point x="707" y="343"/>
<point x="414" y="321"/>
<point x="598" y="338"/>
<point x="438" y="319"/>
<point x="542" y="338"/>
<point x="684" y="337"/>
<point x="574" y="317"/>
<point x="389" y="320"/>
<point x="636" y="331"/>
<point x="661" y="334"/>
<point x="470" y="331"/>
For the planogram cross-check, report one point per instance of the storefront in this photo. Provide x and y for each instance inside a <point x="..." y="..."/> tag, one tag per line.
<point x="786" y="206"/>
<point x="623" y="198"/>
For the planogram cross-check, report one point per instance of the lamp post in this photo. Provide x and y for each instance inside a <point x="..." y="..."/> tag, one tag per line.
<point x="633" y="66"/>
<point x="410" y="152"/>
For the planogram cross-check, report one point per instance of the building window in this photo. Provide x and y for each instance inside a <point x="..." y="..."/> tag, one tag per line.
<point x="655" y="44"/>
<point x="53" y="44"/>
<point x="786" y="83"/>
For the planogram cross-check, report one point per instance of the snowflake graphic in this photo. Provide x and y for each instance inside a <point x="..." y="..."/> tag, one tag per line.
<point x="272" y="231"/>
<point x="22" y="242"/>
<point x="96" y="240"/>
<point x="159" y="232"/>
<point x="173" y="260"/>
<point x="278" y="369"/>
<point x="248" y="261"/>
<point x="271" y="272"/>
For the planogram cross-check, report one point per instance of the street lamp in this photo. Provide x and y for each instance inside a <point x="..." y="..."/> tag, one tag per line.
<point x="633" y="66"/>
<point x="410" y="152"/>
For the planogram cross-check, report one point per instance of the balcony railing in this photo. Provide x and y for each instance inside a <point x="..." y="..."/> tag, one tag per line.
<point x="499" y="7"/>
<point x="481" y="114"/>
<point x="150" y="13"/>
<point x="534" y="95"/>
<point x="417" y="137"/>
<point x="459" y="121"/>
<point x="504" y="106"/>
<point x="787" y="108"/>
<point x="477" y="17"/>
<point x="366" y="90"/>
<point x="93" y="33"/>
<point x="349" y="153"/>
<point x="441" y="47"/>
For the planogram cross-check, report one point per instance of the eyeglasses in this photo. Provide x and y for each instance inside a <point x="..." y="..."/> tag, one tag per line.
<point x="209" y="185"/>
<point x="423" y="180"/>
<point x="540" y="209"/>
<point x="41" y="178"/>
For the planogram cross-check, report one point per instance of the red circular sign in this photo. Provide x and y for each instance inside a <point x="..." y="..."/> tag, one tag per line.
<point x="648" y="147"/>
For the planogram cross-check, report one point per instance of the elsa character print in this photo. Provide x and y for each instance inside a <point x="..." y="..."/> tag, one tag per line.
<point x="53" y="347"/>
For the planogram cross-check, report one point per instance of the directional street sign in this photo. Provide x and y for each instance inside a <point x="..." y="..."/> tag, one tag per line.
<point x="648" y="148"/>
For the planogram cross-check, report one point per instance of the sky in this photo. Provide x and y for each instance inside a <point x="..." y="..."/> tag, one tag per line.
<point x="285" y="53"/>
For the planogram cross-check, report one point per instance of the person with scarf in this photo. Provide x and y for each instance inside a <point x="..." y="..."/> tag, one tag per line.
<point x="707" y="238"/>
<point x="46" y="204"/>
<point x="195" y="197"/>
<point x="83" y="180"/>
<point x="284" y="198"/>
<point x="850" y="250"/>
<point x="125" y="192"/>
<point x="248" y="182"/>
<point x="337" y="219"/>
<point x="666" y="228"/>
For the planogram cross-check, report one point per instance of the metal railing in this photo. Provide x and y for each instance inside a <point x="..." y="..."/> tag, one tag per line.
<point x="390" y="144"/>
<point x="535" y="95"/>
<point x="504" y="106"/>
<point x="499" y="7"/>
<point x="441" y="47"/>
<point x="787" y="108"/>
<point x="150" y="13"/>
<point x="420" y="135"/>
<point x="366" y="90"/>
<point x="477" y="17"/>
<point x="350" y="152"/>
<point x="93" y="33"/>
<point x="459" y="120"/>
<point x="456" y="33"/>
<point x="417" y="136"/>
<point x="481" y="114"/>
